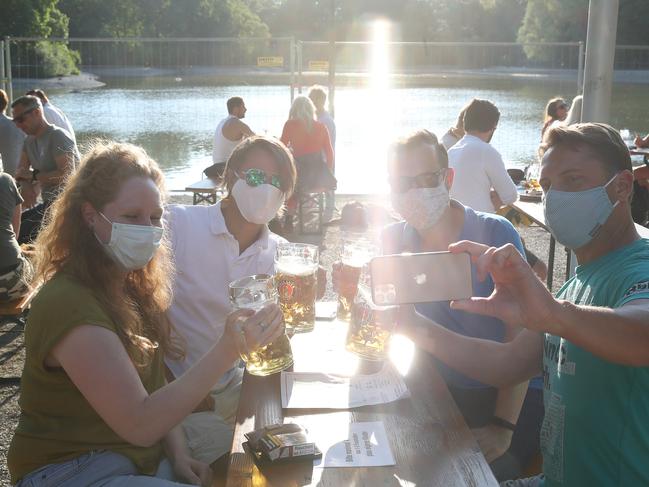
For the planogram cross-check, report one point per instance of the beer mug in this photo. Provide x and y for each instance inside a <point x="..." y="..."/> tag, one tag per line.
<point x="370" y="325"/>
<point x="255" y="292"/>
<point x="355" y="254"/>
<point x="296" y="274"/>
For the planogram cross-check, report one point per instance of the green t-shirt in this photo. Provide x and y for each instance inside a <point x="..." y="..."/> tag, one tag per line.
<point x="596" y="426"/>
<point x="56" y="422"/>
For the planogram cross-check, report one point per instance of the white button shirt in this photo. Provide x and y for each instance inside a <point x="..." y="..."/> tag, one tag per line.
<point x="207" y="259"/>
<point x="478" y="168"/>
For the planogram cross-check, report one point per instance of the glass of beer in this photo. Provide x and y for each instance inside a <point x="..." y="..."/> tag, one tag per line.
<point x="370" y="325"/>
<point x="355" y="254"/>
<point x="296" y="268"/>
<point x="255" y="292"/>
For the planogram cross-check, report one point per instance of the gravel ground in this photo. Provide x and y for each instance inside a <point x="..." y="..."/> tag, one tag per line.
<point x="11" y="331"/>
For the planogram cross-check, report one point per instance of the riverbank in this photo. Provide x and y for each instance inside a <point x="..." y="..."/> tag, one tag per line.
<point x="96" y="77"/>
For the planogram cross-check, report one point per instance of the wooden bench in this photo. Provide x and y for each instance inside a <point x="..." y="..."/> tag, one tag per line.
<point x="310" y="208"/>
<point x="18" y="306"/>
<point x="204" y="191"/>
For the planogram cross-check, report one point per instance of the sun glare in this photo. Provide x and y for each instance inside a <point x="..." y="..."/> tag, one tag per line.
<point x="374" y="104"/>
<point x="379" y="68"/>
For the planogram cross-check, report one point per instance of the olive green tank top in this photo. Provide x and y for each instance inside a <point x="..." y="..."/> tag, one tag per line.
<point x="56" y="422"/>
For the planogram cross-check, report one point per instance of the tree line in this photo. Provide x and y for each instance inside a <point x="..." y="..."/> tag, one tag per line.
<point x="414" y="20"/>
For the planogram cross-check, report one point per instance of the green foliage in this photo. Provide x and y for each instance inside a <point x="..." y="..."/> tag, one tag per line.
<point x="40" y="18"/>
<point x="163" y="18"/>
<point x="552" y="21"/>
<point x="527" y="21"/>
<point x="55" y="59"/>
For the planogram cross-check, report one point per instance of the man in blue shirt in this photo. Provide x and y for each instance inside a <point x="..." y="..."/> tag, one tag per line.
<point x="591" y="341"/>
<point x="420" y="180"/>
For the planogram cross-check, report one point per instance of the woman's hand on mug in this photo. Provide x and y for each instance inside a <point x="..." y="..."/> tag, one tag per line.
<point x="233" y="328"/>
<point x="260" y="328"/>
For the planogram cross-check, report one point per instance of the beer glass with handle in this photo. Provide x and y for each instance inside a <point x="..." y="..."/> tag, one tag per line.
<point x="356" y="252"/>
<point x="255" y="292"/>
<point x="296" y="274"/>
<point x="370" y="326"/>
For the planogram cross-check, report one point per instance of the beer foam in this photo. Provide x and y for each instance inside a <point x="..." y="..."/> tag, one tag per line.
<point x="356" y="260"/>
<point x="295" y="266"/>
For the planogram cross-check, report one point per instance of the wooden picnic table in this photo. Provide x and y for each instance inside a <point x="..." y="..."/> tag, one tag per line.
<point x="429" y="439"/>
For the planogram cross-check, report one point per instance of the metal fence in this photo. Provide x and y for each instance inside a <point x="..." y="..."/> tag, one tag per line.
<point x="284" y="60"/>
<point x="168" y="94"/>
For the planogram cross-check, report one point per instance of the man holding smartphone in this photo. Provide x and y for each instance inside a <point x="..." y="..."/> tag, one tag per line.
<point x="420" y="180"/>
<point x="591" y="341"/>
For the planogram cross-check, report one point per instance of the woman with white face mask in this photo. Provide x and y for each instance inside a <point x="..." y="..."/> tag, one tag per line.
<point x="95" y="406"/>
<point x="213" y="246"/>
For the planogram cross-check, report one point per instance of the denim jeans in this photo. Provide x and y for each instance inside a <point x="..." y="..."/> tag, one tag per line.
<point x="99" y="469"/>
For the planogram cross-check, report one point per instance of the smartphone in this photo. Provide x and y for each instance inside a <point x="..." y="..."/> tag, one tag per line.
<point x="420" y="278"/>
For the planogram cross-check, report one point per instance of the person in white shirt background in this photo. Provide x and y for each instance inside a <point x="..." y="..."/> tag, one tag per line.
<point x="455" y="133"/>
<point x="481" y="180"/>
<point x="556" y="112"/>
<point x="229" y="132"/>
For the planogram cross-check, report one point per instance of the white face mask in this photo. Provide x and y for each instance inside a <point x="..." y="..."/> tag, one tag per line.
<point x="257" y="204"/>
<point x="422" y="207"/>
<point x="132" y="246"/>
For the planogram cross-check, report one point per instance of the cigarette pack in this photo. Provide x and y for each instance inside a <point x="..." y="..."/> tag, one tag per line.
<point x="279" y="442"/>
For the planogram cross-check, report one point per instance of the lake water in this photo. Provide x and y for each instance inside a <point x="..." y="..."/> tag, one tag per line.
<point x="174" y="120"/>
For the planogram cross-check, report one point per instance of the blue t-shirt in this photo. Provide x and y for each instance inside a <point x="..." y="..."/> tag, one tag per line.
<point x="596" y="426"/>
<point x="484" y="228"/>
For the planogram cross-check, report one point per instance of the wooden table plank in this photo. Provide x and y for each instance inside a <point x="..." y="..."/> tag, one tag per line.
<point x="431" y="443"/>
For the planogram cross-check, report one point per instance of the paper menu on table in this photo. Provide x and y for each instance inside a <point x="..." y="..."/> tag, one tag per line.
<point x="366" y="445"/>
<point x="311" y="390"/>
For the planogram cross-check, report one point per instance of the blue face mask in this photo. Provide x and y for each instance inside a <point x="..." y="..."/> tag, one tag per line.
<point x="575" y="218"/>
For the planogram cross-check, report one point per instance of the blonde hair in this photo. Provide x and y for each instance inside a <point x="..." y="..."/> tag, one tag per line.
<point x="303" y="109"/>
<point x="68" y="245"/>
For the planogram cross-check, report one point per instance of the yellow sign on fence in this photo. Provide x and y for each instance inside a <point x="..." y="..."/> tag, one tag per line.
<point x="318" y="65"/>
<point x="270" y="61"/>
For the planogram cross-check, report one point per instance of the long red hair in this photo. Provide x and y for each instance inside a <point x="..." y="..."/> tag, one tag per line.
<point x="138" y="304"/>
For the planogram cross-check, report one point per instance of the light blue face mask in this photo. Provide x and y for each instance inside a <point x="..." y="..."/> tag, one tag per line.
<point x="575" y="218"/>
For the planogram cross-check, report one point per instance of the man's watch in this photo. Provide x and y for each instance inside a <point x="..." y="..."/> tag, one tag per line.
<point x="34" y="174"/>
<point x="497" y="421"/>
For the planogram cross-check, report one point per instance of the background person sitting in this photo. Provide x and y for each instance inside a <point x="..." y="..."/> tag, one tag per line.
<point x="454" y="134"/>
<point x="481" y="180"/>
<point x="556" y="112"/>
<point x="229" y="132"/>
<point x="11" y="139"/>
<point x="15" y="270"/>
<point x="318" y="96"/>
<point x="310" y="144"/>
<point x="49" y="155"/>
<point x="574" y="114"/>
<point x="95" y="409"/>
<point x="53" y="114"/>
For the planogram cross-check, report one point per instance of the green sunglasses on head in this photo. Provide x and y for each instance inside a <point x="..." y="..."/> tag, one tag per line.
<point x="255" y="177"/>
